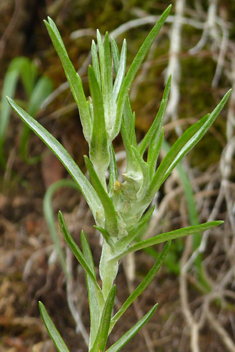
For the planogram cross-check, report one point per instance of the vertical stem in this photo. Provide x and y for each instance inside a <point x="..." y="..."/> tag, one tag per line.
<point x="108" y="269"/>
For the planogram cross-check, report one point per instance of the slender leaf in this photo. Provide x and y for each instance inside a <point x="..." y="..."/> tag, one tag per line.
<point x="142" y="286"/>
<point x="62" y="154"/>
<point x="182" y="146"/>
<point x="99" y="152"/>
<point x="120" y="72"/>
<point x="78" y="254"/>
<point x="103" y="331"/>
<point x="131" y="333"/>
<point x="115" y="54"/>
<point x="73" y="78"/>
<point x="134" y="69"/>
<point x="8" y="89"/>
<point x="154" y="151"/>
<point x="111" y="222"/>
<point x="95" y="62"/>
<point x="156" y="126"/>
<point x="168" y="236"/>
<point x="52" y="331"/>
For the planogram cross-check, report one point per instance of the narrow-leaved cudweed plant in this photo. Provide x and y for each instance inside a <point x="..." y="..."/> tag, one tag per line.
<point x="121" y="208"/>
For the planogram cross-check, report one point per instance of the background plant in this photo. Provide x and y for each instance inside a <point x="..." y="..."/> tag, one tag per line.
<point x="36" y="90"/>
<point x="134" y="157"/>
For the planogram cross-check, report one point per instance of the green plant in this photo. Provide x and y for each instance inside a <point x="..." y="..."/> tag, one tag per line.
<point x="121" y="209"/>
<point x="36" y="90"/>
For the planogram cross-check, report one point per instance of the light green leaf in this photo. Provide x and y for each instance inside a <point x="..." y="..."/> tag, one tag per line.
<point x="142" y="286"/>
<point x="73" y="78"/>
<point x="95" y="62"/>
<point x="99" y="153"/>
<point x="52" y="331"/>
<point x="156" y="126"/>
<point x="134" y="69"/>
<point x="181" y="147"/>
<point x="62" y="154"/>
<point x="76" y="251"/>
<point x="168" y="236"/>
<point x="154" y="151"/>
<point x="103" y="331"/>
<point x="121" y="71"/>
<point x="111" y="222"/>
<point x="8" y="89"/>
<point x="130" y="333"/>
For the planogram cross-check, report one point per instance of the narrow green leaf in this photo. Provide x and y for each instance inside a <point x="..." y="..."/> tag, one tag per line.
<point x="92" y="294"/>
<point x="62" y="154"/>
<point x="130" y="157"/>
<point x="77" y="253"/>
<point x="73" y="78"/>
<point x="129" y="120"/>
<point x="103" y="331"/>
<point x="154" y="151"/>
<point x="121" y="71"/>
<point x="182" y="146"/>
<point x="95" y="62"/>
<point x="115" y="54"/>
<point x="111" y="222"/>
<point x="102" y="58"/>
<point x="9" y="86"/>
<point x="156" y="126"/>
<point x="52" y="331"/>
<point x="99" y="152"/>
<point x="168" y="236"/>
<point x="134" y="69"/>
<point x="117" y="346"/>
<point x="142" y="286"/>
